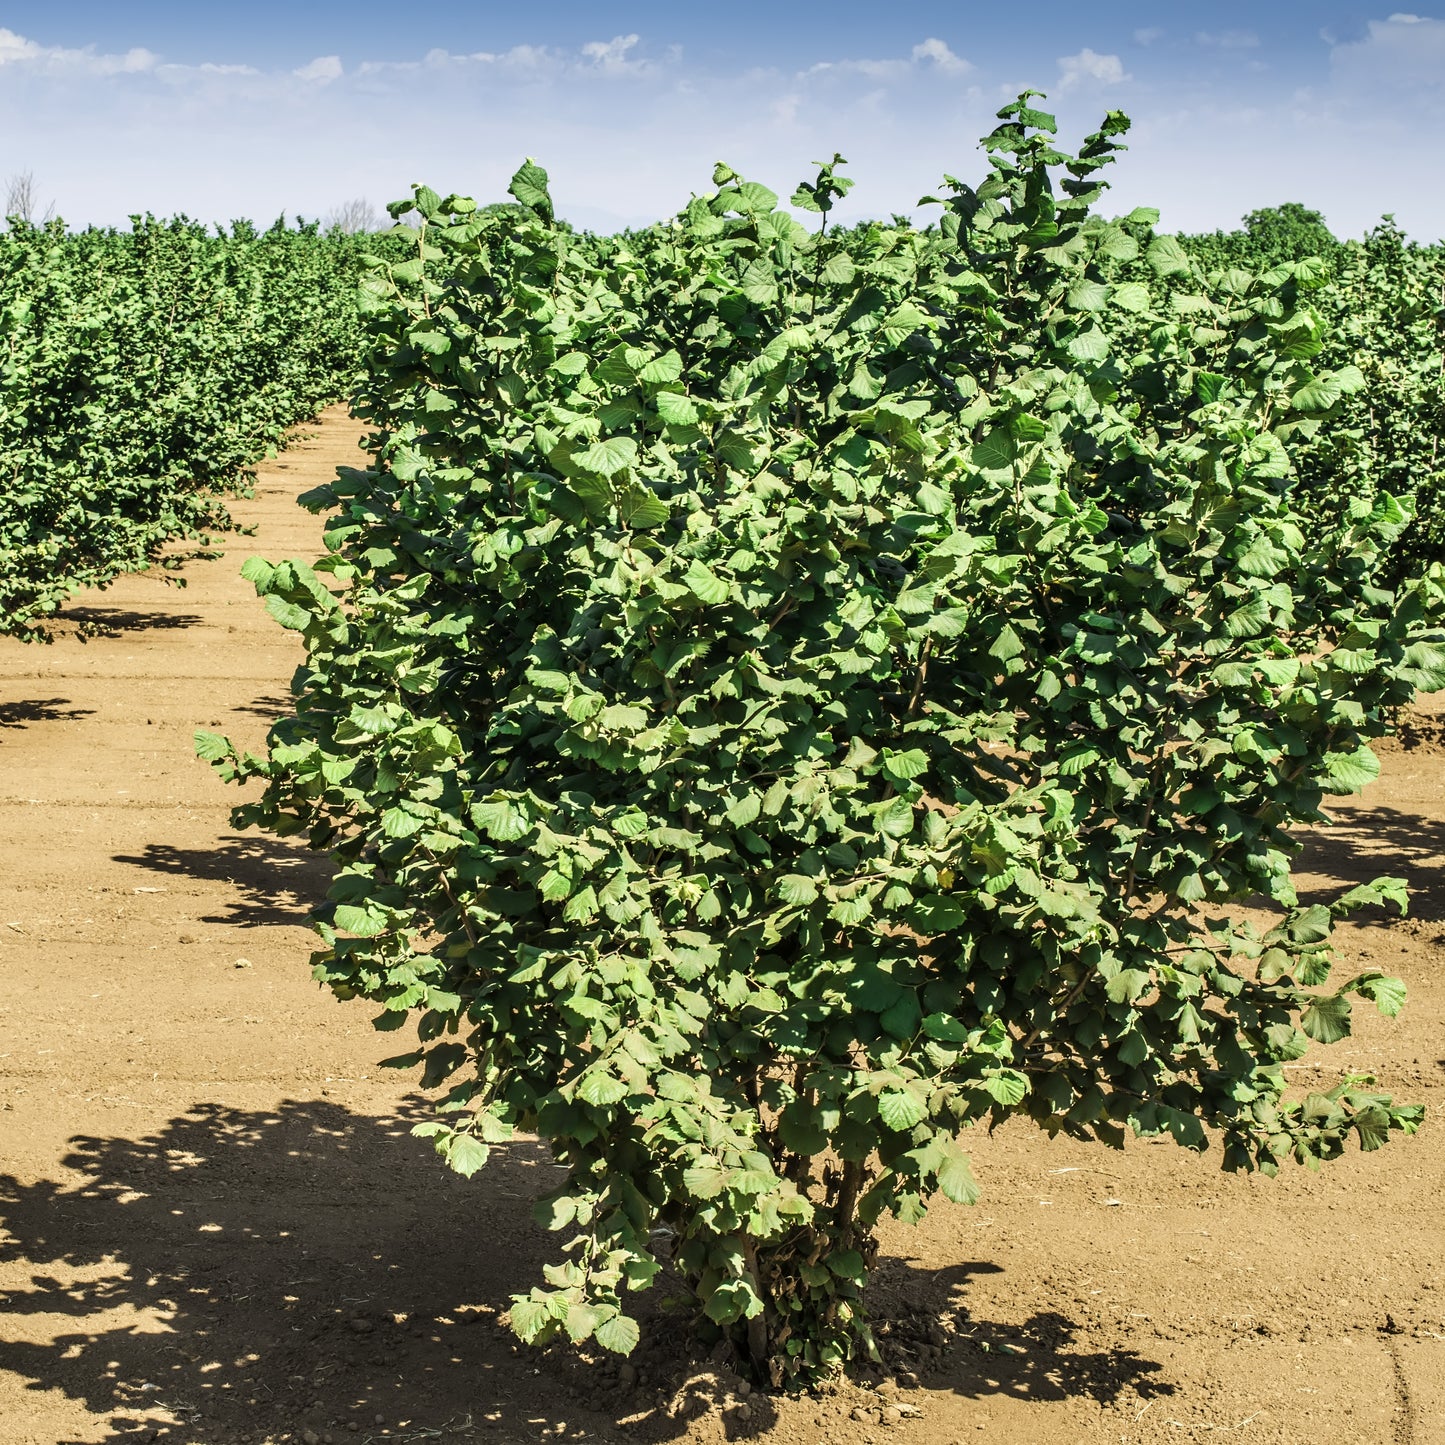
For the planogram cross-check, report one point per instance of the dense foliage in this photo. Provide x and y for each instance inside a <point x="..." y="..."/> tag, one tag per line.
<point x="782" y="697"/>
<point x="1382" y="311"/>
<point x="1268" y="236"/>
<point x="142" y="373"/>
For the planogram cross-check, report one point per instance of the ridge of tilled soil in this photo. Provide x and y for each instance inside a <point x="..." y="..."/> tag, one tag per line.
<point x="215" y="1227"/>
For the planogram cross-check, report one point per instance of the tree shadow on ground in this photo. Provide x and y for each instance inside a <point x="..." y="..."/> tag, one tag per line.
<point x="257" y="1275"/>
<point x="1043" y="1357"/>
<point x="113" y="621"/>
<point x="1372" y="842"/>
<point x="275" y="881"/>
<point x="270" y="706"/>
<point x="22" y="713"/>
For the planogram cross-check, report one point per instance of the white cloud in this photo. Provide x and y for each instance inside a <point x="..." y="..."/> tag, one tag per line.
<point x="1403" y="51"/>
<point x="1148" y="35"/>
<point x="1087" y="65"/>
<point x="1227" y="39"/>
<point x="611" y="55"/>
<point x="15" y="47"/>
<point x="324" y="69"/>
<point x="942" y="57"/>
<point x="17" y="50"/>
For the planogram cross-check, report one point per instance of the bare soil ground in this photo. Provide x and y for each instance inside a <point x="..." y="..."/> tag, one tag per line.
<point x="215" y="1227"/>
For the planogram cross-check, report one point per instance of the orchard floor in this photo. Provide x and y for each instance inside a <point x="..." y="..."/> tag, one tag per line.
<point x="214" y="1225"/>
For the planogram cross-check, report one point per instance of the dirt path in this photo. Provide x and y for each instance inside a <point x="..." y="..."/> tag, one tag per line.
<point x="216" y="1227"/>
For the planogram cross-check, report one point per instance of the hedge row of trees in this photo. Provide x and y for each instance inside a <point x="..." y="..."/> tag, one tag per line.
<point x="142" y="373"/>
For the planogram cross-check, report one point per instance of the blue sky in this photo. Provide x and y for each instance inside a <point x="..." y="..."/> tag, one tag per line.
<point x="224" y="109"/>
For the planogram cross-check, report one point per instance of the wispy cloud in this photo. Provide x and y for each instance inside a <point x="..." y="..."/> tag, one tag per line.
<point x="1148" y="35"/>
<point x="931" y="55"/>
<point x="1227" y="39"/>
<point x="611" y="56"/>
<point x="324" y="69"/>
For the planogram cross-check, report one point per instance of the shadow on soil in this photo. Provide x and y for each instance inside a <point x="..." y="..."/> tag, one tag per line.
<point x="270" y="707"/>
<point x="1373" y="842"/>
<point x="112" y="621"/>
<point x="35" y="710"/>
<point x="275" y="882"/>
<point x="258" y="1276"/>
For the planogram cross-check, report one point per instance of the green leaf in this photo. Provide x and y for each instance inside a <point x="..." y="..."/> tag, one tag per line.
<point x="607" y="458"/>
<point x="466" y="1154"/>
<point x="1086" y="295"/>
<point x="1327" y="1020"/>
<point x="619" y="1334"/>
<point x="1166" y="257"/>
<point x="360" y="921"/>
<point x="582" y="1319"/>
<point x="945" y="1028"/>
<point x="600" y="1088"/>
<point x="795" y="889"/>
<point x="529" y="1318"/>
<point x="641" y="509"/>
<point x="1350" y="772"/>
<point x="289" y="614"/>
<point x="901" y="1109"/>
<point x="211" y="748"/>
<point x="661" y="370"/>
<point x="501" y="820"/>
<point x="955" y="1178"/>
<point x="675" y="409"/>
<point x="995" y="452"/>
<point x="902" y="768"/>
<point x="1131" y="296"/>
<point x="705" y="584"/>
<point x="258" y="571"/>
<point x="529" y="186"/>
<point x="398" y="823"/>
<point x="704" y="1181"/>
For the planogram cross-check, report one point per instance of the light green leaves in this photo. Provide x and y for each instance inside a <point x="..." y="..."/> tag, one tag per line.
<point x="705" y="584"/>
<point x="1167" y="257"/>
<point x="607" y="458"/>
<point x="211" y="748"/>
<point x="619" y="1334"/>
<point x="1131" y="296"/>
<point x="796" y="889"/>
<point x="289" y="614"/>
<point x="1349" y="772"/>
<point x="358" y="920"/>
<point x="674" y="409"/>
<point x="902" y="768"/>
<point x="901" y="1109"/>
<point x="955" y="1179"/>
